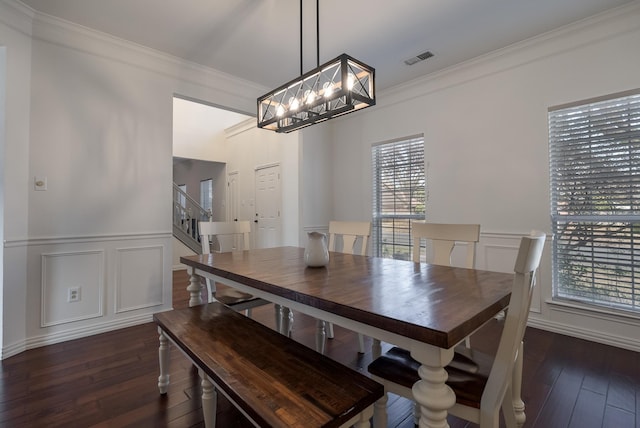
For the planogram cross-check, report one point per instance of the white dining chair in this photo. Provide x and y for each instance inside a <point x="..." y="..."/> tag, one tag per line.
<point x="443" y="239"/>
<point x="223" y="236"/>
<point x="483" y="384"/>
<point x="350" y="237"/>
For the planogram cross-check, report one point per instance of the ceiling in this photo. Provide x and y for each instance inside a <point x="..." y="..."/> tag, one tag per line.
<point x="259" y="40"/>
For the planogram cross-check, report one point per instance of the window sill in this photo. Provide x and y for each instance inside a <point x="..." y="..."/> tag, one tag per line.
<point x="594" y="312"/>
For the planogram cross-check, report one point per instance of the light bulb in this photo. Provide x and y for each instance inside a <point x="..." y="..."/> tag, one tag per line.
<point x="328" y="89"/>
<point x="280" y="111"/>
<point x="310" y="96"/>
<point x="293" y="103"/>
<point x="350" y="81"/>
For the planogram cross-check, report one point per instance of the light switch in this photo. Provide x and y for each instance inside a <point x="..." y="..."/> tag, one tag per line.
<point x="40" y="183"/>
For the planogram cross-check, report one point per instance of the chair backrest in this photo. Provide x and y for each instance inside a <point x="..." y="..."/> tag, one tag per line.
<point x="226" y="233"/>
<point x="527" y="263"/>
<point x="443" y="238"/>
<point x="350" y="231"/>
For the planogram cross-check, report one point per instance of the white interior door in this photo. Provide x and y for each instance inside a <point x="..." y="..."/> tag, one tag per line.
<point x="232" y="207"/>
<point x="268" y="207"/>
<point x="232" y="196"/>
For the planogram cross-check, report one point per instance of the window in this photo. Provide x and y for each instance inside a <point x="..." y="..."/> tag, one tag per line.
<point x="398" y="195"/>
<point x="595" y="201"/>
<point x="206" y="195"/>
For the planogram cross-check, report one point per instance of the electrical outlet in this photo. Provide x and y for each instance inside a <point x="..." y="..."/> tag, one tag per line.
<point x="40" y="183"/>
<point x="73" y="294"/>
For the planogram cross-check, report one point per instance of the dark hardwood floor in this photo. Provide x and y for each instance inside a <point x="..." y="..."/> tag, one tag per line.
<point x="110" y="380"/>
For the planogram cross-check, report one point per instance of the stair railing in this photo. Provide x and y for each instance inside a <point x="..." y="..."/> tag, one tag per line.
<point x="187" y="212"/>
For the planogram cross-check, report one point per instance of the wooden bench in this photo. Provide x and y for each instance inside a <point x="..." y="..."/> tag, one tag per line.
<point x="273" y="380"/>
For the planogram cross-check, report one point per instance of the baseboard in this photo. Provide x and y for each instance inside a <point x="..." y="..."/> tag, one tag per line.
<point x="580" y="333"/>
<point x="77" y="333"/>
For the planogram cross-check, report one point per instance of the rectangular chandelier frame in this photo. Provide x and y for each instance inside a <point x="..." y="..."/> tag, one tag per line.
<point x="340" y="86"/>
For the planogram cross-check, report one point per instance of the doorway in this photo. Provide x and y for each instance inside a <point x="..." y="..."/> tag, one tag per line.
<point x="268" y="203"/>
<point x="3" y="93"/>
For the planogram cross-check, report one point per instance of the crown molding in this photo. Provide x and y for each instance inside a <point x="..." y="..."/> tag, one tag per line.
<point x="241" y="127"/>
<point x="16" y="15"/>
<point x="605" y="25"/>
<point x="50" y="29"/>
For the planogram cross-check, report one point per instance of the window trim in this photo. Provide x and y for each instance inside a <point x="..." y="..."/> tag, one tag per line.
<point x="596" y="144"/>
<point x="377" y="216"/>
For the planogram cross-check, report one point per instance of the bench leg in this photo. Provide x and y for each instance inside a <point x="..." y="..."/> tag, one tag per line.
<point x="163" y="357"/>
<point x="209" y="401"/>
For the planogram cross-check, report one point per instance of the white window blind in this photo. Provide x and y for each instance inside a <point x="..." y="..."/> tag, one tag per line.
<point x="398" y="195"/>
<point x="595" y="201"/>
<point x="206" y="194"/>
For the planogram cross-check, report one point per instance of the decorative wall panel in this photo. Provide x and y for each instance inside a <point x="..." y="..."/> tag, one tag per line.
<point x="140" y="280"/>
<point x="72" y="287"/>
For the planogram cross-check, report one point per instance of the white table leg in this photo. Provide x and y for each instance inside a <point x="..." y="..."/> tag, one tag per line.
<point x="380" y="412"/>
<point x="194" y="288"/>
<point x="209" y="401"/>
<point x="364" y="418"/>
<point x="431" y="392"/>
<point x="163" y="357"/>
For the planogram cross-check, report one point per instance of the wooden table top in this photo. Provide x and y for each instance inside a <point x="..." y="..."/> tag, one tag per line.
<point x="439" y="305"/>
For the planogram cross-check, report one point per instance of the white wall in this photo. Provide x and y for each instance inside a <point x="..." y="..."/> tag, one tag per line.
<point x="3" y="93"/>
<point x="15" y="36"/>
<point x="316" y="172"/>
<point x="94" y="115"/>
<point x="250" y="148"/>
<point x="198" y="130"/>
<point x="486" y="137"/>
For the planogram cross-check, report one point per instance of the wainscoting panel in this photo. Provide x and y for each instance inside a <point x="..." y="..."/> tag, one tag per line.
<point x="498" y="252"/>
<point x="139" y="283"/>
<point x="72" y="287"/>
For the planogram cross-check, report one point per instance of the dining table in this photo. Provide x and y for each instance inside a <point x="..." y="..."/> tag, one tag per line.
<point x="425" y="308"/>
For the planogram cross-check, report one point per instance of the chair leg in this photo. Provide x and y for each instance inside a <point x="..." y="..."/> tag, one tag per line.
<point x="380" y="412"/>
<point x="247" y="312"/>
<point x="516" y="388"/>
<point x="320" y="335"/>
<point x="278" y="315"/>
<point x="508" y="411"/>
<point x="467" y="342"/>
<point x="361" y="349"/>
<point x="330" y="334"/>
<point x="284" y="320"/>
<point x="211" y="289"/>
<point x="376" y="348"/>
<point x="287" y="321"/>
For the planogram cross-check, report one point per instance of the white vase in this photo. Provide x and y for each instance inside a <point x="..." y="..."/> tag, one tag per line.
<point x="316" y="253"/>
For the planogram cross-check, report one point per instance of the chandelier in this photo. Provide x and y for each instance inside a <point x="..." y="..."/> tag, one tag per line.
<point x="340" y="86"/>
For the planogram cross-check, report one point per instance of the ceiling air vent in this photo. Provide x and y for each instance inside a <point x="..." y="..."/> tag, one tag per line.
<point x="418" y="58"/>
